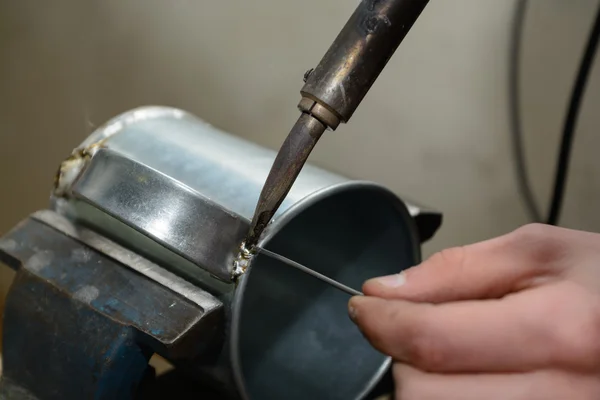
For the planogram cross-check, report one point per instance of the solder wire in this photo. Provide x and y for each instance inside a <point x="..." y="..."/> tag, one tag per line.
<point x="309" y="271"/>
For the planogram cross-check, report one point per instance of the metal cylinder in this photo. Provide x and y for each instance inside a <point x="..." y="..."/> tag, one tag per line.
<point x="358" y="55"/>
<point x="180" y="192"/>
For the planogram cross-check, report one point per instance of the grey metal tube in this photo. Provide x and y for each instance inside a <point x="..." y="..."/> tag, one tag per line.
<point x="359" y="54"/>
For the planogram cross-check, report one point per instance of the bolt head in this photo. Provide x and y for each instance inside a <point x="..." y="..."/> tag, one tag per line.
<point x="307" y="74"/>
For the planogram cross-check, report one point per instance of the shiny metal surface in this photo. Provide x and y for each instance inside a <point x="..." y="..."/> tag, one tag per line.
<point x="287" y="335"/>
<point x="226" y="169"/>
<point x="172" y="214"/>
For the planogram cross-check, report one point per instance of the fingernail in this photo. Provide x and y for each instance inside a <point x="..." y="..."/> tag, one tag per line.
<point x="393" y="281"/>
<point x="352" y="310"/>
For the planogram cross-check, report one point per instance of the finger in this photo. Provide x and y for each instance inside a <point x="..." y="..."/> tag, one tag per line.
<point x="512" y="334"/>
<point x="414" y="384"/>
<point x="487" y="269"/>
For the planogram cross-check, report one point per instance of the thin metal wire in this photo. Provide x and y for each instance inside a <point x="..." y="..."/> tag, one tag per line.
<point x="310" y="272"/>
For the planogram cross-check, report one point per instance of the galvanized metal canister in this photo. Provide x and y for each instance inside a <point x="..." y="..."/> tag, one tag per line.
<point x="181" y="193"/>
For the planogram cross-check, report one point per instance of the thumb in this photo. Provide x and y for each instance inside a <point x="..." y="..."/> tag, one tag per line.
<point x="489" y="269"/>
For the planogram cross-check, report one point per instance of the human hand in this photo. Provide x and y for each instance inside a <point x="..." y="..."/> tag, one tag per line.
<point x="512" y="318"/>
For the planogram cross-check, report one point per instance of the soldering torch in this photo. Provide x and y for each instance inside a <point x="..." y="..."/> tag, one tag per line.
<point x="332" y="92"/>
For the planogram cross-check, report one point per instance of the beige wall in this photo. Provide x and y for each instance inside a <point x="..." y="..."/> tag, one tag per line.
<point x="433" y="127"/>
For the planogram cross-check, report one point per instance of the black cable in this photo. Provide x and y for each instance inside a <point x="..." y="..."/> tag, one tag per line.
<point x="514" y="105"/>
<point x="562" y="167"/>
<point x="570" y="122"/>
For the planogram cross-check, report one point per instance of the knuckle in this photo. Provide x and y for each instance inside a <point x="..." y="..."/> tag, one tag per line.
<point x="532" y="230"/>
<point x="540" y="242"/>
<point x="450" y="265"/>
